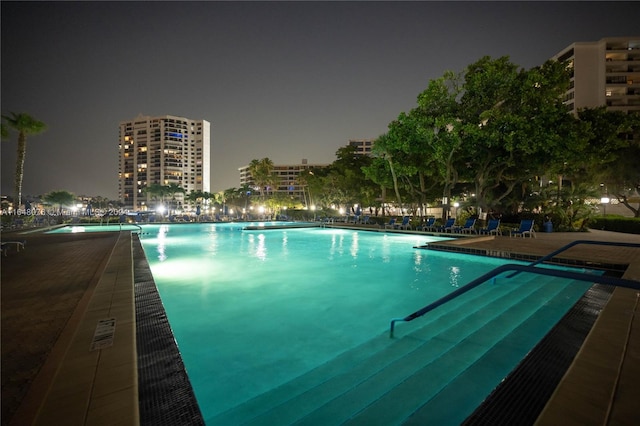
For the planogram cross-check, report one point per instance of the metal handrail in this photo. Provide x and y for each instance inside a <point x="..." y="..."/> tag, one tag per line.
<point x="620" y="282"/>
<point x="575" y="243"/>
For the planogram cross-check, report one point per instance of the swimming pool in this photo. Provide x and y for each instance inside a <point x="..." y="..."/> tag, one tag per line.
<point x="260" y="315"/>
<point x="75" y="229"/>
<point x="116" y="226"/>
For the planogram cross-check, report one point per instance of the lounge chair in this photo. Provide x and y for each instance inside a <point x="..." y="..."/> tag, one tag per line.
<point x="365" y="220"/>
<point x="429" y="225"/>
<point x="467" y="227"/>
<point x="526" y="228"/>
<point x="448" y="226"/>
<point x="493" y="227"/>
<point x="391" y="224"/>
<point x="406" y="223"/>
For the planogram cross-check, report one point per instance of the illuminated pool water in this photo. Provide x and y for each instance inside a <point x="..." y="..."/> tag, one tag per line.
<point x="251" y="310"/>
<point x="116" y="226"/>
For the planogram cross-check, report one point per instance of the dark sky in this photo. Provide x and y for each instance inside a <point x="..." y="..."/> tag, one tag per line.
<point x="284" y="80"/>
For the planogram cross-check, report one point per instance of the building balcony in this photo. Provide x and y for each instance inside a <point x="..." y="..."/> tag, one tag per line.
<point x="626" y="102"/>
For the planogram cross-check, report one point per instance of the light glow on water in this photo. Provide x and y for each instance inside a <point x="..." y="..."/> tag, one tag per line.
<point x="272" y="304"/>
<point x="251" y="310"/>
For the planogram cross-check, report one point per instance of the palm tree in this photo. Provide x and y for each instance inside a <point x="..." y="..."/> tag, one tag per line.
<point x="262" y="174"/>
<point x="25" y="125"/>
<point x="220" y="198"/>
<point x="156" y="190"/>
<point x="244" y="192"/>
<point x="173" y="189"/>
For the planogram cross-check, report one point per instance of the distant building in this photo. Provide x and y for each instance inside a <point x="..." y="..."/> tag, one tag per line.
<point x="363" y="146"/>
<point x="605" y="72"/>
<point x="162" y="150"/>
<point x="288" y="174"/>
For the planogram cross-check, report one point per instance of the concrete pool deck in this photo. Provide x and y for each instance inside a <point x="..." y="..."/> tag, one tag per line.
<point x="51" y="374"/>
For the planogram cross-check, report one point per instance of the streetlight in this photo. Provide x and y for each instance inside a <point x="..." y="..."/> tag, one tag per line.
<point x="455" y="212"/>
<point x="604" y="201"/>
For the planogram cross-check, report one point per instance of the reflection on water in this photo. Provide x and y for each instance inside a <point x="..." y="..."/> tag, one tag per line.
<point x="257" y="246"/>
<point x="354" y="245"/>
<point x="454" y="276"/>
<point x="162" y="242"/>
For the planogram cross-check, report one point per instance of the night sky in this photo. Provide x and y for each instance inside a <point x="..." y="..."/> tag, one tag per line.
<point x="287" y="81"/>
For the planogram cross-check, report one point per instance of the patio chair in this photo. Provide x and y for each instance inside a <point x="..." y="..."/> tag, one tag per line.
<point x="429" y="225"/>
<point x="467" y="227"/>
<point x="391" y="224"/>
<point x="493" y="227"/>
<point x="448" y="226"/>
<point x="526" y="228"/>
<point x="406" y="223"/>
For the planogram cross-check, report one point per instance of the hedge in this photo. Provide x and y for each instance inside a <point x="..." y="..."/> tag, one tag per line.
<point x="629" y="225"/>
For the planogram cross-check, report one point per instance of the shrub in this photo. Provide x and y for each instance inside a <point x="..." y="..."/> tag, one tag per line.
<point x="629" y="225"/>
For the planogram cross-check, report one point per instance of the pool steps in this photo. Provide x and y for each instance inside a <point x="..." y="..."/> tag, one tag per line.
<point x="462" y="392"/>
<point x="473" y="357"/>
<point x="394" y="380"/>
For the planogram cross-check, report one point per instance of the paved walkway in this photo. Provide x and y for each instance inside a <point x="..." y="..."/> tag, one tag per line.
<point x="46" y="291"/>
<point x="45" y="288"/>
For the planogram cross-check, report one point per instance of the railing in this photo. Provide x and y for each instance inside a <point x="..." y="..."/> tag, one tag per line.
<point x="579" y="276"/>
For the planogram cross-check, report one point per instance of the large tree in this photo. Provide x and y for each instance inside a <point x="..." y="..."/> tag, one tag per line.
<point x="383" y="148"/>
<point x="611" y="155"/>
<point x="515" y="125"/>
<point x="439" y="137"/>
<point x="25" y="125"/>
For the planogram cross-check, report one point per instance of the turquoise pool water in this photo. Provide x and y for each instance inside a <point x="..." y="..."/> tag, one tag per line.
<point x="252" y="310"/>
<point x="94" y="227"/>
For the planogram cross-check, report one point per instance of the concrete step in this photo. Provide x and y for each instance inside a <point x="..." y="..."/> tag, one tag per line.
<point x="295" y="399"/>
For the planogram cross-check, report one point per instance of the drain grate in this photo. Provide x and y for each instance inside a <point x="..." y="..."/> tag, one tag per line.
<point x="165" y="395"/>
<point x="522" y="395"/>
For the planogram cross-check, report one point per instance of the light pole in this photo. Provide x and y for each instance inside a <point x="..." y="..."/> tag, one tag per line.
<point x="604" y="201"/>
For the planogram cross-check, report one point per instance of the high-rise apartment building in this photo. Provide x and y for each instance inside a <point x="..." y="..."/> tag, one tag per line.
<point x="604" y="72"/>
<point x="162" y="150"/>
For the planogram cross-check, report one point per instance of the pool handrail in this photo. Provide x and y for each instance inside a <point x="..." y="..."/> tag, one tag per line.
<point x="575" y="243"/>
<point x="579" y="276"/>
